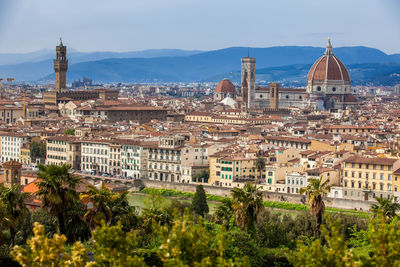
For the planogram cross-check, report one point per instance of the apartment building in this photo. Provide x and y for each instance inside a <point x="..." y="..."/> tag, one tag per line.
<point x="288" y="142"/>
<point x="26" y="155"/>
<point x="194" y="162"/>
<point x="331" y="174"/>
<point x="10" y="113"/>
<point x="122" y="112"/>
<point x="133" y="159"/>
<point x="294" y="182"/>
<point x="270" y="179"/>
<point x="349" y="129"/>
<point x="63" y="150"/>
<point x="233" y="169"/>
<point x="11" y="144"/>
<point x="396" y="184"/>
<point x="95" y="156"/>
<point x="365" y="178"/>
<point x="115" y="158"/>
<point x="164" y="159"/>
<point x="210" y="118"/>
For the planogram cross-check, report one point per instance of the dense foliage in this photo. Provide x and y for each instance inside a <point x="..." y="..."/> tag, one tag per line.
<point x="38" y="150"/>
<point x="199" y="203"/>
<point x="69" y="131"/>
<point x="57" y="190"/>
<point x="269" y="204"/>
<point x="241" y="232"/>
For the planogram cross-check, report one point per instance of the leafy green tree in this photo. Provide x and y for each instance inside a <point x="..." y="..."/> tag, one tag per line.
<point x="57" y="190"/>
<point x="386" y="207"/>
<point x="13" y="209"/>
<point x="350" y="223"/>
<point x="154" y="201"/>
<point x="48" y="221"/>
<point x="358" y="238"/>
<point x="120" y="207"/>
<point x="260" y="165"/>
<point x="69" y="131"/>
<point x="114" y="247"/>
<point x="273" y="229"/>
<point x="101" y="199"/>
<point x="224" y="212"/>
<point x="38" y="150"/>
<point x="384" y="238"/>
<point x="155" y="210"/>
<point x="315" y="192"/>
<point x="188" y="243"/>
<point x="240" y="244"/>
<point x="76" y="228"/>
<point x="333" y="252"/>
<point x="3" y="223"/>
<point x="175" y="204"/>
<point x="199" y="202"/>
<point x="247" y="204"/>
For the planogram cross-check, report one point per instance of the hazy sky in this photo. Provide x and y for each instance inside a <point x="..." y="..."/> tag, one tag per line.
<point x="128" y="25"/>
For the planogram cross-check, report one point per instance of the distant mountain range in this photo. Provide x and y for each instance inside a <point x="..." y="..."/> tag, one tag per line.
<point x="75" y="56"/>
<point x="288" y="64"/>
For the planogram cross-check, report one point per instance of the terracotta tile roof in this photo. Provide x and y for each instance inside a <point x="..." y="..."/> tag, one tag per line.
<point x="365" y="160"/>
<point x="225" y="86"/>
<point x="328" y="67"/>
<point x="31" y="187"/>
<point x="288" y="138"/>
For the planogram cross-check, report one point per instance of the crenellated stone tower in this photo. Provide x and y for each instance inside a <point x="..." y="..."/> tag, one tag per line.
<point x="61" y="67"/>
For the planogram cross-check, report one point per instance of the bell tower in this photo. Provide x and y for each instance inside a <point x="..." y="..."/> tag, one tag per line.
<point x="12" y="173"/>
<point x="248" y="82"/>
<point x="274" y="95"/>
<point x="61" y="67"/>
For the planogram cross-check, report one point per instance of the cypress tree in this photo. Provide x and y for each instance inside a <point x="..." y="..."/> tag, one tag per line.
<point x="199" y="203"/>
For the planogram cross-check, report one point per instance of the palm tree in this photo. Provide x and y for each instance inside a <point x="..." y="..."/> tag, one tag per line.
<point x="76" y="227"/>
<point x="315" y="192"/>
<point x="120" y="207"/>
<point x="101" y="199"/>
<point x="3" y="222"/>
<point x="260" y="165"/>
<point x="247" y="204"/>
<point x="14" y="212"/>
<point x="386" y="207"/>
<point x="57" y="190"/>
<point x="224" y="212"/>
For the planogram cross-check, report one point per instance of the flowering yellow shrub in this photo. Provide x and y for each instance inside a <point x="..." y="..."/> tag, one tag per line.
<point x="43" y="251"/>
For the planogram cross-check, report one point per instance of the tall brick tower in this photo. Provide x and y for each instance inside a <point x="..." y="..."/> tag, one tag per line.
<point x="61" y="67"/>
<point x="248" y="82"/>
<point x="274" y="95"/>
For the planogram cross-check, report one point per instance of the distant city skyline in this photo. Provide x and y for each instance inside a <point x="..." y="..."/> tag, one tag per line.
<point x="100" y="25"/>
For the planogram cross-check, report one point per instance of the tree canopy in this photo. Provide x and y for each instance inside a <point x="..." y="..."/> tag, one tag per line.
<point x="199" y="203"/>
